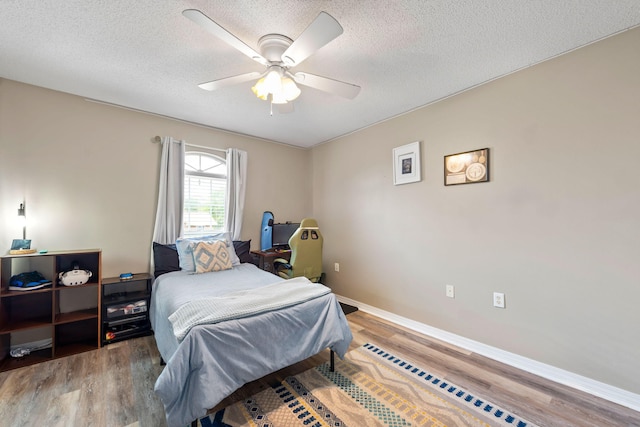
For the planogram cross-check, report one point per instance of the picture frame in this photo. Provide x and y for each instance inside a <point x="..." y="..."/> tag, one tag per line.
<point x="20" y="244"/>
<point x="406" y="164"/>
<point x="468" y="167"/>
<point x="21" y="247"/>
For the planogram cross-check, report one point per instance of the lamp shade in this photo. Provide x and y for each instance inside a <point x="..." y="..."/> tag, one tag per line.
<point x="289" y="88"/>
<point x="278" y="98"/>
<point x="273" y="81"/>
<point x="260" y="89"/>
<point x="282" y="89"/>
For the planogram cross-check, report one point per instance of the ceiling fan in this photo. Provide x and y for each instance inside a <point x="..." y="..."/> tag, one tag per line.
<point x="279" y="54"/>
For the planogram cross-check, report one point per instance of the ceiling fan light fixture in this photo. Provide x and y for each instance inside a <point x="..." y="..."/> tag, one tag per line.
<point x="279" y="53"/>
<point x="282" y="88"/>
<point x="273" y="80"/>
<point x="260" y="89"/>
<point x="278" y="98"/>
<point x="289" y="89"/>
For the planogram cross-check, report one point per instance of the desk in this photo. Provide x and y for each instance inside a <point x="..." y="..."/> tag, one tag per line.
<point x="266" y="258"/>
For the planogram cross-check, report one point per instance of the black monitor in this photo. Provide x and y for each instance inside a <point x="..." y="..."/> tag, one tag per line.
<point x="282" y="233"/>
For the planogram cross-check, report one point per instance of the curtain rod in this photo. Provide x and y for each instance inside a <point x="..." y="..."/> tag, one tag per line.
<point x="158" y="139"/>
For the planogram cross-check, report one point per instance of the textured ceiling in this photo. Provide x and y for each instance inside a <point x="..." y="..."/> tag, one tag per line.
<point x="145" y="55"/>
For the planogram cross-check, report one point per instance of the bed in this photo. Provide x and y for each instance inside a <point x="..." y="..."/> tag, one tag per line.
<point x="208" y="360"/>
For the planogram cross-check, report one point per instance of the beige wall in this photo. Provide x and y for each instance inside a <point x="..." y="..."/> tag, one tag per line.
<point x="556" y="229"/>
<point x="88" y="173"/>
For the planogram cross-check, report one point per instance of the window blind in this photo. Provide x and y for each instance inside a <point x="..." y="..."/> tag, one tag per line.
<point x="204" y="199"/>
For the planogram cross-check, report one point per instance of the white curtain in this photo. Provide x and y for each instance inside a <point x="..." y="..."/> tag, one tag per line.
<point x="168" y="225"/>
<point x="236" y="188"/>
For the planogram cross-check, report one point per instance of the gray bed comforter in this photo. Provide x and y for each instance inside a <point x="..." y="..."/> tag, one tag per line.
<point x="214" y="360"/>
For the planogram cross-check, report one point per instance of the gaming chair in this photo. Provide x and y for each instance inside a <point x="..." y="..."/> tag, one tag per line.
<point x="306" y="253"/>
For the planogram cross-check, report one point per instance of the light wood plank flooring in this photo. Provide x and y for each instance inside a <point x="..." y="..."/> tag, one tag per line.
<point x="113" y="386"/>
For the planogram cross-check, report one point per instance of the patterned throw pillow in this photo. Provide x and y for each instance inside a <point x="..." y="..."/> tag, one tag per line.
<point x="211" y="256"/>
<point x="185" y="247"/>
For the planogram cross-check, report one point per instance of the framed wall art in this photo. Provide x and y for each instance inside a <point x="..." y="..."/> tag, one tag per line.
<point x="467" y="168"/>
<point x="406" y="163"/>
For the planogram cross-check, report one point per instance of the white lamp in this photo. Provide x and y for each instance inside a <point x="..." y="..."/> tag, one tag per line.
<point x="22" y="247"/>
<point x="23" y="220"/>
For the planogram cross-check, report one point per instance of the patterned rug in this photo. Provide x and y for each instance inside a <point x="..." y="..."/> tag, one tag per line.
<point x="371" y="387"/>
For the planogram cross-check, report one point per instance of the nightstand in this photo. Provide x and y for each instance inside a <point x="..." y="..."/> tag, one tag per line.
<point x="125" y="307"/>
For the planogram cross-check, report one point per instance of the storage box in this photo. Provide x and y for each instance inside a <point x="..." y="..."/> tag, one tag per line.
<point x="126" y="309"/>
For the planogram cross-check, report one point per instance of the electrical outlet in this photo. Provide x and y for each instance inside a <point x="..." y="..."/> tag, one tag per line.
<point x="498" y="300"/>
<point x="336" y="267"/>
<point x="450" y="291"/>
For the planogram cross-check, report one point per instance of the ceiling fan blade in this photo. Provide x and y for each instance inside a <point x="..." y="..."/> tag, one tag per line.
<point x="320" y="32"/>
<point x="228" y="81"/>
<point x="208" y="24"/>
<point x="325" y="84"/>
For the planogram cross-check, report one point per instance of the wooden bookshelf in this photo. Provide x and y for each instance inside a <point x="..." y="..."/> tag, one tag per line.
<point x="67" y="316"/>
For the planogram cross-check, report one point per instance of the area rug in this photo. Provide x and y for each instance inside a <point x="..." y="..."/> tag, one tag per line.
<point x="371" y="387"/>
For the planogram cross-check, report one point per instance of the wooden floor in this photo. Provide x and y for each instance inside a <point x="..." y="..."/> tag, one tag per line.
<point x="113" y="386"/>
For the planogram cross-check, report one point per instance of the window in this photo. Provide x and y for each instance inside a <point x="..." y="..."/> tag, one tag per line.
<point x="205" y="190"/>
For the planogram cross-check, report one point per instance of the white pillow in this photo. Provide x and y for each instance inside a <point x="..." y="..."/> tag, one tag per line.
<point x="186" y="245"/>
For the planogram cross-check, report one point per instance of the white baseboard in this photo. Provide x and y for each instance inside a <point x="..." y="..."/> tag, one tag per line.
<point x="588" y="385"/>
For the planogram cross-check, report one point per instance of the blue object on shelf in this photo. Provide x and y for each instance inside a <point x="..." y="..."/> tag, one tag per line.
<point x="28" y="281"/>
<point x="126" y="276"/>
<point x="266" y="235"/>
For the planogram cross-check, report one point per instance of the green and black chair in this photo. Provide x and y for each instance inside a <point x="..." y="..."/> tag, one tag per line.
<point x="306" y="253"/>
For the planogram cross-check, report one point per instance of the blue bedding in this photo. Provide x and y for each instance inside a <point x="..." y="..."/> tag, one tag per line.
<point x="214" y="360"/>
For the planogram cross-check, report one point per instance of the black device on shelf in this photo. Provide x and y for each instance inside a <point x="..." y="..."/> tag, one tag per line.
<point x="281" y="233"/>
<point x="125" y="307"/>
